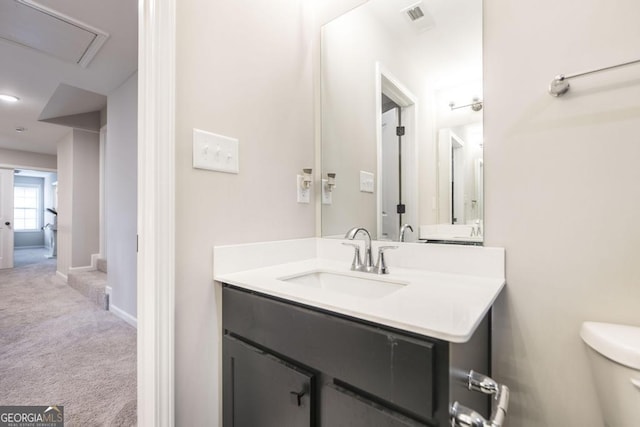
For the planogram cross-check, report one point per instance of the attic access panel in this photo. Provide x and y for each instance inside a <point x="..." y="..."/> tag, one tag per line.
<point x="30" y="24"/>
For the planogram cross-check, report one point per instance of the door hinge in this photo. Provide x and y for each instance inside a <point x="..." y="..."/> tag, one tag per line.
<point x="400" y="131"/>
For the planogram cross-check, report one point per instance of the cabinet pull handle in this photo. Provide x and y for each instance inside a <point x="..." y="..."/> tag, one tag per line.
<point x="296" y="397"/>
<point x="461" y="416"/>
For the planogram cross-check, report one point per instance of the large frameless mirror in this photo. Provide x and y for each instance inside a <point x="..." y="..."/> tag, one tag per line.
<point x="402" y="121"/>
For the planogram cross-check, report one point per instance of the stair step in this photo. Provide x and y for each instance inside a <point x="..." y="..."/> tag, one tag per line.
<point x="102" y="265"/>
<point x="91" y="284"/>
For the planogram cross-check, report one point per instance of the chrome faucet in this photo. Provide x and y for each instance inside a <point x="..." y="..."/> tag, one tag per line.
<point x="368" y="267"/>
<point x="368" y="258"/>
<point x="476" y="231"/>
<point x="403" y="229"/>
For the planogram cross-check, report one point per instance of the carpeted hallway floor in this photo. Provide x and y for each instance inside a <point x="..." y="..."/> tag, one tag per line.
<point x="57" y="348"/>
<point x="27" y="256"/>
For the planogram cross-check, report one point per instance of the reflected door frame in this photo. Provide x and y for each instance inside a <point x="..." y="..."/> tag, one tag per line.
<point x="392" y="87"/>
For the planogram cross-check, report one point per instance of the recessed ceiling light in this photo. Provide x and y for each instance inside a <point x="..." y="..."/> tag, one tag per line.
<point x="9" y="98"/>
<point x="20" y="129"/>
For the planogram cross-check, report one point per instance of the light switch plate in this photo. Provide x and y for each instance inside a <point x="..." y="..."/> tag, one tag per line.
<point x="366" y="182"/>
<point x="215" y="152"/>
<point x="326" y="194"/>
<point x="304" y="196"/>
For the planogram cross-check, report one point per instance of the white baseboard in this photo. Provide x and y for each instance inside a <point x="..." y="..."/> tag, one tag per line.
<point x="94" y="260"/>
<point x="92" y="267"/>
<point x="63" y="276"/>
<point x="123" y="314"/>
<point x="81" y="269"/>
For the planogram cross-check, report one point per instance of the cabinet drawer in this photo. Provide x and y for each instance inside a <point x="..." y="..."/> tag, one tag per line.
<point x="341" y="408"/>
<point x="394" y="369"/>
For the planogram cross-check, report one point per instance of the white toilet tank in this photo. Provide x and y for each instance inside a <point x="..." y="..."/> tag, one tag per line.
<point x="614" y="353"/>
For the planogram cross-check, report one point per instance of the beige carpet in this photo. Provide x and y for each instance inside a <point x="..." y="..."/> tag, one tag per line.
<point x="58" y="348"/>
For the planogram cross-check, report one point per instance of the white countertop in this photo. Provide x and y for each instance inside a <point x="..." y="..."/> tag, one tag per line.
<point x="442" y="305"/>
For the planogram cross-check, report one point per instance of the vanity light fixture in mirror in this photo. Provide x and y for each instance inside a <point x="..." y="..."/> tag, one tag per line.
<point x="331" y="181"/>
<point x="307" y="179"/>
<point x="388" y="77"/>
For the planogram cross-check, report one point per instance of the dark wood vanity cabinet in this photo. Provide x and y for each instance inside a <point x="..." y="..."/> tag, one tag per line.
<point x="289" y="365"/>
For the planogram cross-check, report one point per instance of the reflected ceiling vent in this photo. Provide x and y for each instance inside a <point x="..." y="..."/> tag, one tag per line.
<point x="419" y="17"/>
<point x="415" y="13"/>
<point x="32" y="25"/>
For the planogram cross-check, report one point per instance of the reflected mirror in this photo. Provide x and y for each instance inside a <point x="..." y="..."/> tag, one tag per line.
<point x="402" y="121"/>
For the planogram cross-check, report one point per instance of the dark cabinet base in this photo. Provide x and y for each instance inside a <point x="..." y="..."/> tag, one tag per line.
<point x="342" y="408"/>
<point x="289" y="365"/>
<point x="263" y="390"/>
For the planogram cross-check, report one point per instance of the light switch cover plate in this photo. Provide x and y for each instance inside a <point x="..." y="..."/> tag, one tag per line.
<point x="366" y="182"/>
<point x="215" y="152"/>
<point x="326" y="194"/>
<point x="303" y="195"/>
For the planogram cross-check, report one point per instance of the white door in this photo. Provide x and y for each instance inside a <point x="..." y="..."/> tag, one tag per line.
<point x="389" y="176"/>
<point x="6" y="218"/>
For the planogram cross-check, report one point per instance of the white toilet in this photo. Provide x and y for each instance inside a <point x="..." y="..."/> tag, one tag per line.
<point x="614" y="353"/>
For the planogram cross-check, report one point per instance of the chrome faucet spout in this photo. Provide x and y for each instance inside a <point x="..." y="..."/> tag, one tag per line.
<point x="368" y="258"/>
<point x="403" y="230"/>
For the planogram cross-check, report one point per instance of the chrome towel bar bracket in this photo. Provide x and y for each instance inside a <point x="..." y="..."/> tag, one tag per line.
<point x="461" y="416"/>
<point x="559" y="85"/>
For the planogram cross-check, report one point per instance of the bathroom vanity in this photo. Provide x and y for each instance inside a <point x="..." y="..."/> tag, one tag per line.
<point x="286" y="364"/>
<point x="371" y="351"/>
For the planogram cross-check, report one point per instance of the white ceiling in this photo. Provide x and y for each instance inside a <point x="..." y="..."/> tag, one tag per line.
<point x="34" y="76"/>
<point x="452" y="40"/>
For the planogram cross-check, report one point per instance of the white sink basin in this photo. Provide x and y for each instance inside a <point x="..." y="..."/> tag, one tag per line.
<point x="374" y="287"/>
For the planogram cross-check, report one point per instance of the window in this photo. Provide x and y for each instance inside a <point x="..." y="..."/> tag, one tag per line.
<point x="25" y="205"/>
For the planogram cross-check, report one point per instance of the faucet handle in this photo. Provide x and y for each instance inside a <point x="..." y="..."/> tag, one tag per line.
<point x="381" y="266"/>
<point x="356" y="264"/>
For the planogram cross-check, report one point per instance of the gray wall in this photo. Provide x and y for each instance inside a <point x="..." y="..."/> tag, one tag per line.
<point x="26" y="159"/>
<point x="561" y="195"/>
<point x="559" y="182"/>
<point x="86" y="157"/>
<point x="65" y="208"/>
<point x="259" y="89"/>
<point x="121" y="167"/>
<point x="78" y="194"/>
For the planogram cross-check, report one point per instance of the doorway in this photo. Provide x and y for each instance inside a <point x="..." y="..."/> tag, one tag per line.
<point x="35" y="224"/>
<point x="391" y="187"/>
<point x="397" y="195"/>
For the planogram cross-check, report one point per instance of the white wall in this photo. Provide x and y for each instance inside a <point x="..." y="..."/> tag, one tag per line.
<point x="78" y="165"/>
<point x="121" y="194"/>
<point x="26" y="159"/>
<point x="561" y="195"/>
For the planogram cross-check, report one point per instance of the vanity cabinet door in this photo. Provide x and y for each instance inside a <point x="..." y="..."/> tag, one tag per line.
<point x="342" y="408"/>
<point x="263" y="390"/>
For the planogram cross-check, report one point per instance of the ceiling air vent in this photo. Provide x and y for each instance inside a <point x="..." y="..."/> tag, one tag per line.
<point x="418" y="17"/>
<point x="32" y="25"/>
<point x="415" y="13"/>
